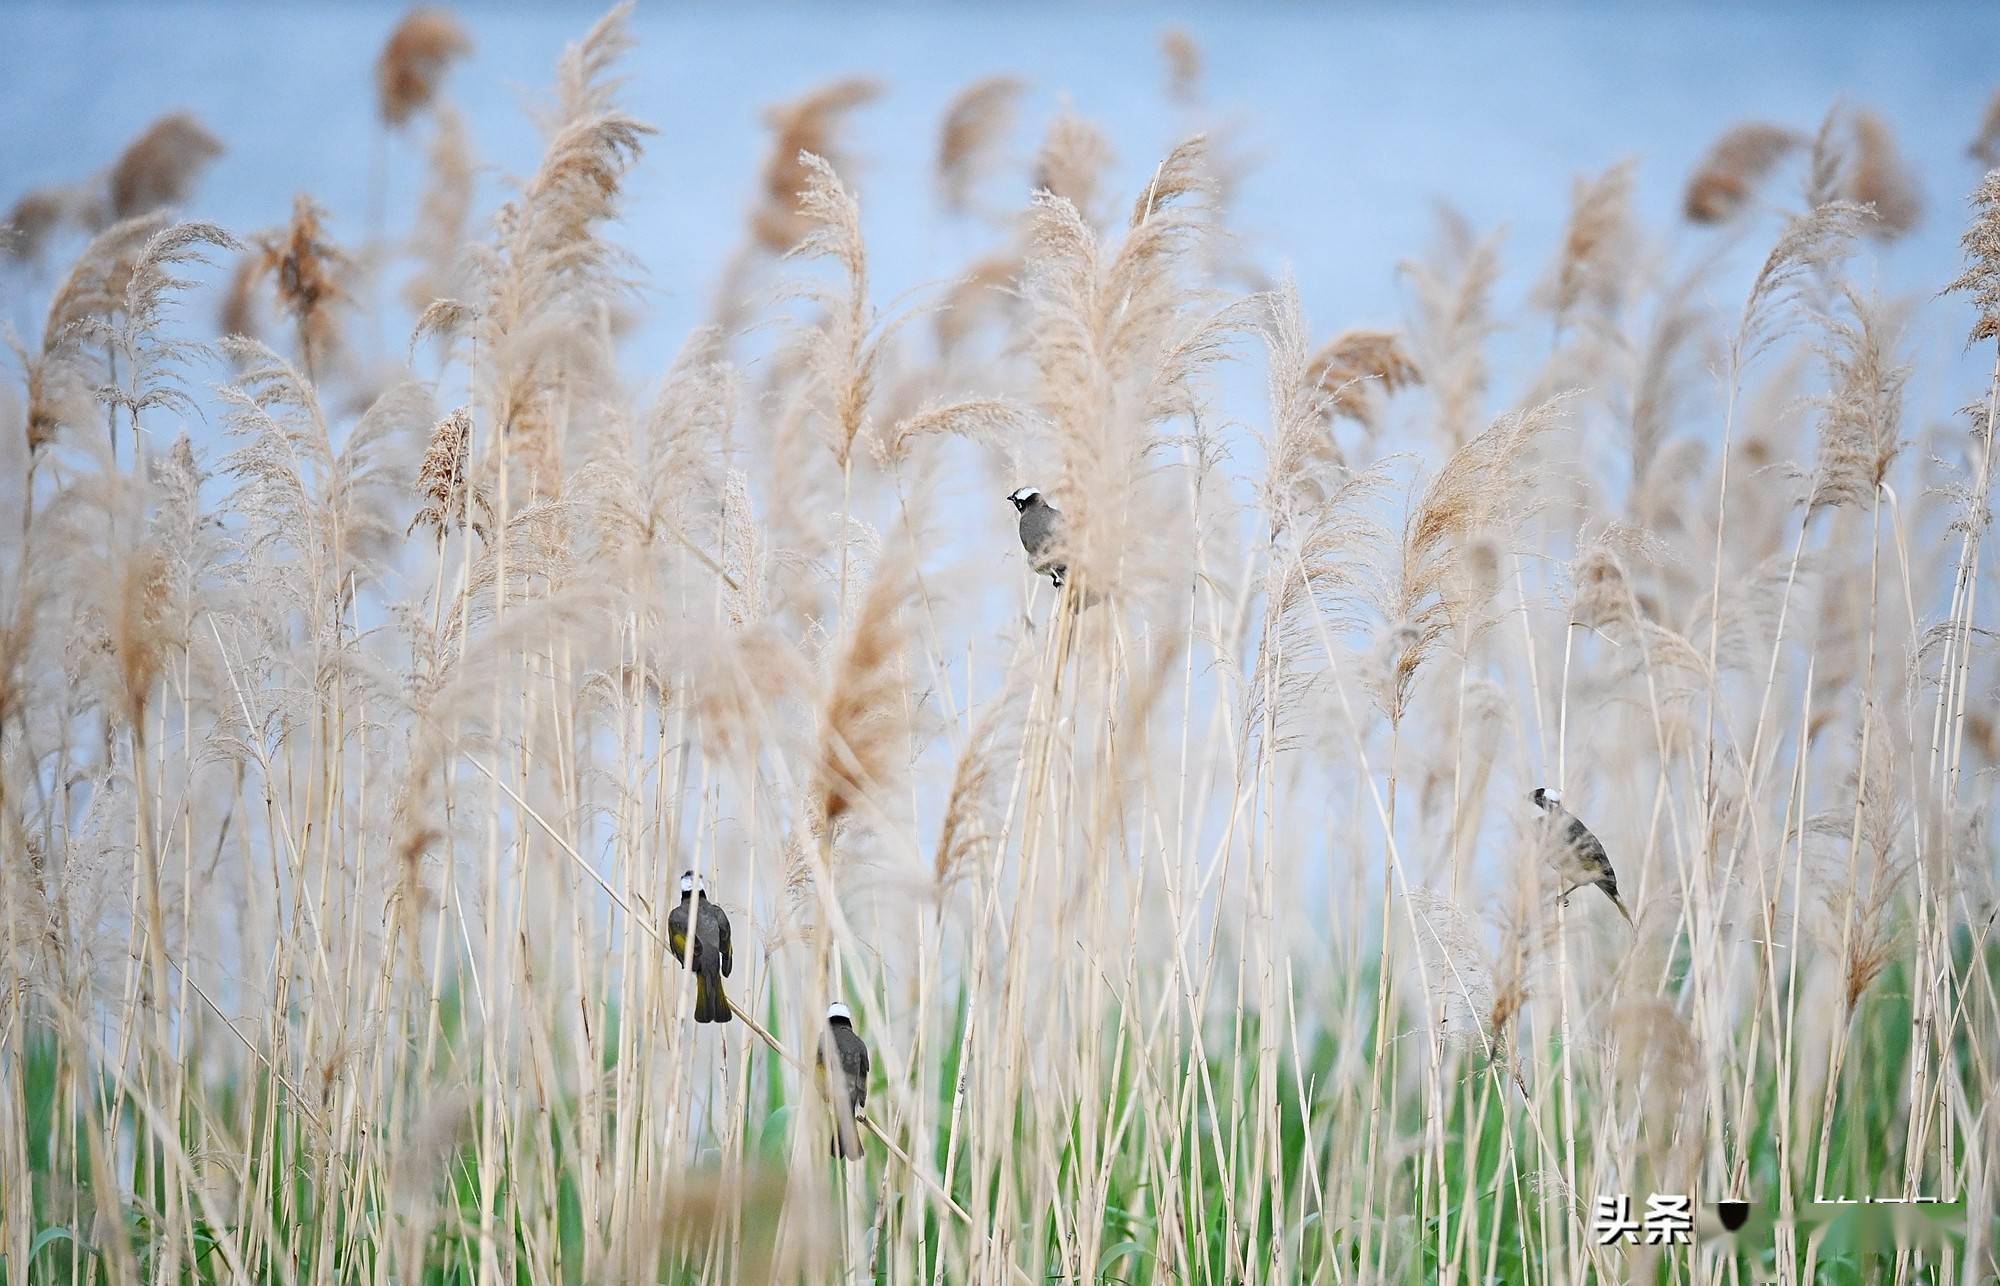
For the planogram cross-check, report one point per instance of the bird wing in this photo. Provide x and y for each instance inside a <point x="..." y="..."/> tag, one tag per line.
<point x="1038" y="532"/>
<point x="715" y="935"/>
<point x="854" y="1065"/>
<point x="1588" y="848"/>
<point x="677" y="933"/>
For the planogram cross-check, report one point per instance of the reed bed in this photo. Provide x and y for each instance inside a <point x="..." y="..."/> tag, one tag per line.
<point x="382" y="635"/>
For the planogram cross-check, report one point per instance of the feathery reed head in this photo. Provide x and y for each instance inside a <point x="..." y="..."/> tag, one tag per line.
<point x="441" y="479"/>
<point x="1357" y="368"/>
<point x="1594" y="265"/>
<point x="1981" y="242"/>
<point x="862" y="716"/>
<point x="965" y="838"/>
<point x="34" y="219"/>
<point x="310" y="274"/>
<point x="1072" y="161"/>
<point x="1481" y="493"/>
<point x="1985" y="147"/>
<point x="981" y="293"/>
<point x="1881" y="179"/>
<point x="992" y="422"/>
<point x="1736" y="164"/>
<point x="161" y="166"/>
<point x="808" y="126"/>
<point x="1453" y="318"/>
<point x="414" y="60"/>
<point x="1811" y="248"/>
<point x="975" y="127"/>
<point x="1183" y="59"/>
<point x="1861" y="415"/>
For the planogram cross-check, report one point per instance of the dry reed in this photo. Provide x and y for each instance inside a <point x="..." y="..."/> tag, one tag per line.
<point x="1196" y="915"/>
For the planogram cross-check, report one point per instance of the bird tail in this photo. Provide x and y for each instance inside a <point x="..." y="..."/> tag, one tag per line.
<point x="847" y="1138"/>
<point x="1620" y="904"/>
<point x="710" y="1004"/>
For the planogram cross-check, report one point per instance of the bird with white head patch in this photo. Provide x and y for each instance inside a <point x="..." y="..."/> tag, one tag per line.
<point x="1580" y="858"/>
<point x="698" y="932"/>
<point x="1041" y="533"/>
<point x="848" y="1092"/>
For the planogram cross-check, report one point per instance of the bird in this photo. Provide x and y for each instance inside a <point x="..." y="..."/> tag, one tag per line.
<point x="1582" y="859"/>
<point x="851" y="1052"/>
<point x="1041" y="533"/>
<point x="711" y="958"/>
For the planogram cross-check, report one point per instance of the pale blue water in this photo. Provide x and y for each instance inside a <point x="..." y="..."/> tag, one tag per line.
<point x="1363" y="115"/>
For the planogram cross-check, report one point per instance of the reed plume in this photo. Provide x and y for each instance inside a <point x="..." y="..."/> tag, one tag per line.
<point x="1981" y="243"/>
<point x="161" y="166"/>
<point x="414" y="61"/>
<point x="442" y="481"/>
<point x="1461" y="984"/>
<point x="310" y="276"/>
<point x="984" y="289"/>
<point x="1735" y="166"/>
<point x="808" y="126"/>
<point x="1321" y="531"/>
<point x="1071" y="163"/>
<point x="844" y="351"/>
<point x="1985" y="147"/>
<point x="154" y="358"/>
<point x="33" y="221"/>
<point x="1357" y="369"/>
<point x="1593" y="268"/>
<point x="863" y="735"/>
<point x="1453" y="319"/>
<point x="1447" y="565"/>
<point x="1794" y="276"/>
<point x="62" y="376"/>
<point x="992" y="422"/>
<point x="976" y="124"/>
<point x="1861" y="416"/>
<point x="443" y="215"/>
<point x="966" y="843"/>
<point x="1183" y="59"/>
<point x="1881" y="179"/>
<point x="546" y="275"/>
<point x="1118" y="346"/>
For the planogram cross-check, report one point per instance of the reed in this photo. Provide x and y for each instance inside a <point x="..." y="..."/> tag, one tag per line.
<point x="1195" y="914"/>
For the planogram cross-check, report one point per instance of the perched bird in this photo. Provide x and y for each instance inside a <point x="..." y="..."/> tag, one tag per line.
<point x="1041" y="533"/>
<point x="1582" y="859"/>
<point x="702" y="946"/>
<point x="850" y="1092"/>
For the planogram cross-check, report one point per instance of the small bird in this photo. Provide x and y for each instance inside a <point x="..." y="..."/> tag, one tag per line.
<point x="711" y="958"/>
<point x="851" y="1052"/>
<point x="1582" y="859"/>
<point x="1041" y="533"/>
